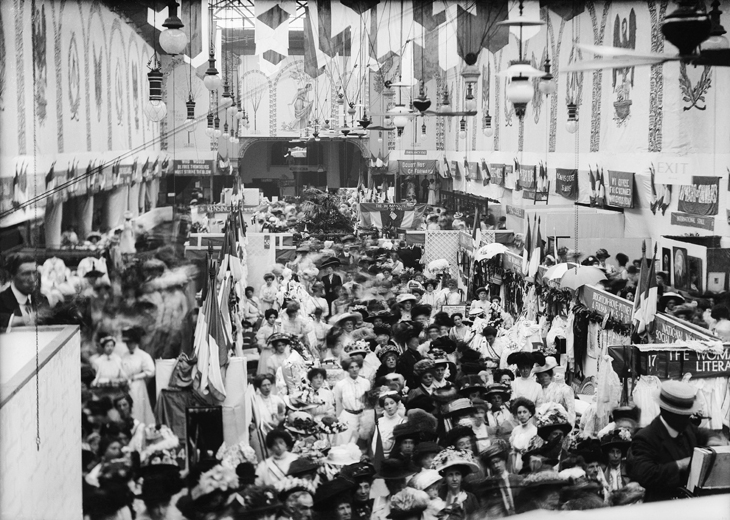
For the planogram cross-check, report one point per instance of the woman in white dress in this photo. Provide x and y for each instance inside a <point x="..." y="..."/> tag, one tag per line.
<point x="267" y="412"/>
<point x="139" y="366"/>
<point x="523" y="410"/>
<point x="432" y="193"/>
<point x="391" y="418"/>
<point x="275" y="468"/>
<point x="108" y="366"/>
<point x="267" y="329"/>
<point x="526" y="385"/>
<point x="316" y="377"/>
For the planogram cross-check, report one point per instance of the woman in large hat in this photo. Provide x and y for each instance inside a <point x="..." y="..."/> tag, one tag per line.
<point x="388" y="356"/>
<point x="268" y="327"/>
<point x="280" y="345"/>
<point x="526" y="385"/>
<point x="333" y="499"/>
<point x="541" y="491"/>
<point x="553" y="425"/>
<point x="454" y="465"/>
<point x="394" y="473"/>
<point x="615" y="445"/>
<point x="499" y="419"/>
<point x="553" y="391"/>
<point x="388" y="401"/>
<point x="323" y="396"/>
<point x="423" y="372"/>
<point x="276" y="467"/>
<point x="258" y="503"/>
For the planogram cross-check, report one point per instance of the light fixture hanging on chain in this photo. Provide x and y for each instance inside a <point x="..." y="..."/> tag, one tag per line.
<point x="155" y="109"/>
<point x="547" y="83"/>
<point x="487" y="126"/>
<point x="173" y="40"/>
<point x="572" y="124"/>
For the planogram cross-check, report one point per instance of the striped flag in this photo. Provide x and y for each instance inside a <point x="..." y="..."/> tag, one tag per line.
<point x="536" y="258"/>
<point x="379" y="452"/>
<point x="399" y="215"/>
<point x="527" y="251"/>
<point x="211" y="348"/>
<point x="645" y="302"/>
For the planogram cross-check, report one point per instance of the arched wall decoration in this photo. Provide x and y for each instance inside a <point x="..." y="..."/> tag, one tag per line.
<point x="247" y="142"/>
<point x="95" y="9"/>
<point x="497" y="97"/>
<point x="39" y="48"/>
<point x="134" y="70"/>
<point x="657" y="11"/>
<point x="555" y="63"/>
<point x="599" y="31"/>
<point x="273" y="93"/>
<point x="250" y="93"/>
<point x="146" y="124"/>
<point x="57" y="26"/>
<point x="74" y="78"/>
<point x="19" y="10"/>
<point x="116" y="82"/>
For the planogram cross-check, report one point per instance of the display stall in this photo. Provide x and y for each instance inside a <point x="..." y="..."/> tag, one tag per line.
<point x="40" y="423"/>
<point x="696" y="264"/>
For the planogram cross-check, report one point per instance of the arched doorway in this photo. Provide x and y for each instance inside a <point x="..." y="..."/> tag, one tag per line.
<point x="272" y="165"/>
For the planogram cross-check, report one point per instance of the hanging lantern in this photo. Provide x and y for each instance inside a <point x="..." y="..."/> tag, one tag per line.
<point x="487" y="129"/>
<point x="380" y="137"/>
<point x="245" y="119"/>
<point x="231" y="110"/>
<point x="226" y="99"/>
<point x="422" y="103"/>
<point x="547" y="83"/>
<point x="212" y="79"/>
<point x="423" y="129"/>
<point x="717" y="39"/>
<point x="172" y="39"/>
<point x="190" y="106"/>
<point x="225" y="134"/>
<point x="471" y="75"/>
<point x="217" y="126"/>
<point x="209" y="130"/>
<point x="155" y="109"/>
<point x="572" y="124"/>
<point x="519" y="93"/>
<point x="462" y="129"/>
<point x="445" y="103"/>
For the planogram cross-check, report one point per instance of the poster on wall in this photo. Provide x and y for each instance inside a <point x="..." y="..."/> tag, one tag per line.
<point x="566" y="183"/>
<point x="620" y="189"/>
<point x="396" y="215"/>
<point x="423" y="167"/>
<point x="700" y="197"/>
<point x="497" y="171"/>
<point x="509" y="177"/>
<point x="681" y="269"/>
<point x="666" y="260"/>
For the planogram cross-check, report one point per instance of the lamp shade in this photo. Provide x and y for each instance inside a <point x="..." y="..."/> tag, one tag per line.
<point x="155" y="109"/>
<point x="172" y="39"/>
<point x="212" y="79"/>
<point x="520" y="90"/>
<point x="400" y="121"/>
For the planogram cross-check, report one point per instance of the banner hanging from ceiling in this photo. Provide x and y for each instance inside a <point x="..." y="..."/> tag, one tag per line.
<point x="497" y="171"/>
<point x="700" y="197"/>
<point x="424" y="167"/>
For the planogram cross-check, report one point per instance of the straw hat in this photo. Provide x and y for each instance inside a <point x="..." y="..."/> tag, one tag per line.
<point x="425" y="479"/>
<point x="461" y="406"/>
<point x="678" y="397"/>
<point x="550" y="364"/>
<point x="452" y="457"/>
<point x="618" y="438"/>
<point x="343" y="455"/>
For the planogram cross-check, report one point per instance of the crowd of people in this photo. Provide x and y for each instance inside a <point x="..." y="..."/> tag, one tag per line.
<point x="367" y="400"/>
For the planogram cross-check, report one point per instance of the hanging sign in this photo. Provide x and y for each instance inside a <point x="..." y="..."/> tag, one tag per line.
<point x="512" y="262"/>
<point x="670" y="330"/>
<point x="537" y="196"/>
<point x="527" y="177"/>
<point x="673" y="361"/>
<point x="509" y="179"/>
<point x="604" y="302"/>
<point x="620" y="189"/>
<point x="423" y="167"/>
<point x="497" y="171"/>
<point x="397" y="215"/>
<point x="192" y="167"/>
<point x="694" y="221"/>
<point x="700" y="197"/>
<point x="515" y="211"/>
<point x="566" y="183"/>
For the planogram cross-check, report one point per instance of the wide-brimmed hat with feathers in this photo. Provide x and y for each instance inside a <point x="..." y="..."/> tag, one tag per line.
<point x="526" y="358"/>
<point x="451" y="457"/>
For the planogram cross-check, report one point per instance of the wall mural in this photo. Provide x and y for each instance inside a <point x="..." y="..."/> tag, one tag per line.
<point x="624" y="36"/>
<point x="74" y="78"/>
<point x="120" y="92"/>
<point x="656" y="79"/>
<point x="135" y="94"/>
<point x="98" y="79"/>
<point x="599" y="31"/>
<point x="38" y="39"/>
<point x="555" y="70"/>
<point x="301" y="105"/>
<point x="694" y="94"/>
<point x="537" y="96"/>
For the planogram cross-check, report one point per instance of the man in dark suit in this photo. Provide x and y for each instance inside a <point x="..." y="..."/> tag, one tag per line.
<point x="331" y="281"/>
<point x="19" y="302"/>
<point x="659" y="455"/>
<point x="408" y="359"/>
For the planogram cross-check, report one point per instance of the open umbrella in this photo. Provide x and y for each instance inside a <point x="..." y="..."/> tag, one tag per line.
<point x="583" y="275"/>
<point x="489" y="251"/>
<point x="555" y="272"/>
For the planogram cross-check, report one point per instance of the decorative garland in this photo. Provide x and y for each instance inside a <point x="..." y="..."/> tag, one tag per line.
<point x="611" y="323"/>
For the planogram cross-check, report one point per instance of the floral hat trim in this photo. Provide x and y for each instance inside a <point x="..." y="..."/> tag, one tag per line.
<point x="218" y="478"/>
<point x="551" y="414"/>
<point x="232" y="456"/>
<point x="453" y="457"/>
<point x="358" y="346"/>
<point x="329" y="425"/>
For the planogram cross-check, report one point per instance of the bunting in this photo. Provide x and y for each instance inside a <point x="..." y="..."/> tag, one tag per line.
<point x="527" y="249"/>
<point x="536" y="257"/>
<point x="272" y="32"/>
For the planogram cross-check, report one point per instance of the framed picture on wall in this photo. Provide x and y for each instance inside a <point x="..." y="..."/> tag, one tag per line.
<point x="666" y="260"/>
<point x="681" y="269"/>
<point x="695" y="282"/>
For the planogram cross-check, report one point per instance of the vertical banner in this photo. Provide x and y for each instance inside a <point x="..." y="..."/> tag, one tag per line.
<point x="700" y="197"/>
<point x="566" y="183"/>
<point x="620" y="189"/>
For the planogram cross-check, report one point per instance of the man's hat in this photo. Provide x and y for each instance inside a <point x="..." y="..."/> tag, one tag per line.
<point x="678" y="397"/>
